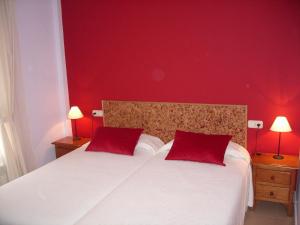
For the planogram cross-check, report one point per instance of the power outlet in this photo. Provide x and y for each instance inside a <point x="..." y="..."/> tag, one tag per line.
<point x="257" y="124"/>
<point x="97" y="113"/>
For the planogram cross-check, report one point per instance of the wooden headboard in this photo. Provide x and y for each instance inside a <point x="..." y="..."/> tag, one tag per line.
<point x="162" y="119"/>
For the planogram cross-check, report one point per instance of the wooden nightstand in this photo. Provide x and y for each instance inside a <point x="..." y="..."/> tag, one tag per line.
<point x="67" y="144"/>
<point x="275" y="180"/>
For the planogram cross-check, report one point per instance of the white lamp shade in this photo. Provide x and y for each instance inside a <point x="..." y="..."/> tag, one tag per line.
<point x="281" y="124"/>
<point x="75" y="113"/>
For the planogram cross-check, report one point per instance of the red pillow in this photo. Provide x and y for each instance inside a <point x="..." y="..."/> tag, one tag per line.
<point x="199" y="147"/>
<point x="115" y="140"/>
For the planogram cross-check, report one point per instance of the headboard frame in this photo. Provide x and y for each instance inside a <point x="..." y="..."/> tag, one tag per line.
<point x="162" y="119"/>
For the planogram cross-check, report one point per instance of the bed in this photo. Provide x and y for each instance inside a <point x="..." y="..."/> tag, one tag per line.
<point x="65" y="189"/>
<point x="178" y="193"/>
<point x="110" y="189"/>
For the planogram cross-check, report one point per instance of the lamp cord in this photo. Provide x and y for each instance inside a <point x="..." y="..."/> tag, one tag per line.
<point x="92" y="133"/>
<point x="256" y="138"/>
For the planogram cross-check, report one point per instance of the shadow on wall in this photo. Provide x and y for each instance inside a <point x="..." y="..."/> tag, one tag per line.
<point x="54" y="133"/>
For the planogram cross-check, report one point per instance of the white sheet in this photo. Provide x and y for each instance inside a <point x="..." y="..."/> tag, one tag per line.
<point x="176" y="193"/>
<point x="66" y="189"/>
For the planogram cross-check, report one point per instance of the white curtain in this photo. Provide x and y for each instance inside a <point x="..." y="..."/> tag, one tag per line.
<point x="11" y="158"/>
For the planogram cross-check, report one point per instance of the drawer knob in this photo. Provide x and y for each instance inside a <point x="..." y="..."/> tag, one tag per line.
<point x="272" y="177"/>
<point x="271" y="193"/>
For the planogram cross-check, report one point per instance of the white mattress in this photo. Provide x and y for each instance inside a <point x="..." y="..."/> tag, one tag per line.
<point x="176" y="193"/>
<point x="66" y="189"/>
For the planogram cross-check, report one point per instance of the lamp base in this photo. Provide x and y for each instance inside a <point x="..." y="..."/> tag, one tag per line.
<point x="278" y="157"/>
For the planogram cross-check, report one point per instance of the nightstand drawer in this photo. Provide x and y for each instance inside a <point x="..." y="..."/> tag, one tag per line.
<point x="266" y="192"/>
<point x="273" y="176"/>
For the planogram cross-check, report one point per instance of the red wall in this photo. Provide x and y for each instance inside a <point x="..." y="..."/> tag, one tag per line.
<point x="232" y="52"/>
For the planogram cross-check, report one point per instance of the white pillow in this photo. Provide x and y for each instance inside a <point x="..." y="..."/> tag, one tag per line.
<point x="237" y="151"/>
<point x="149" y="143"/>
<point x="166" y="147"/>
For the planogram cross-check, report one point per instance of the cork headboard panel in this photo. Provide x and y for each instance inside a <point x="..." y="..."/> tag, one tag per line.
<point x="162" y="119"/>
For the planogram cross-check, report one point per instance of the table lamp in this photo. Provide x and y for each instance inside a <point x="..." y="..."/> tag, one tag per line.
<point x="75" y="114"/>
<point x="280" y="125"/>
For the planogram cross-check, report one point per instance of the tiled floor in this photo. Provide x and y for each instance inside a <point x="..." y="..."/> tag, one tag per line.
<point x="268" y="213"/>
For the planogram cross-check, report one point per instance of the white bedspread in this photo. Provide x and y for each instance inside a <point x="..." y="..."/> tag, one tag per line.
<point x="176" y="193"/>
<point x="66" y="189"/>
<point x="87" y="188"/>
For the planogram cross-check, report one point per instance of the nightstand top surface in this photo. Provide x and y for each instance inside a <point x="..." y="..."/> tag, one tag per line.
<point x="70" y="141"/>
<point x="266" y="159"/>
